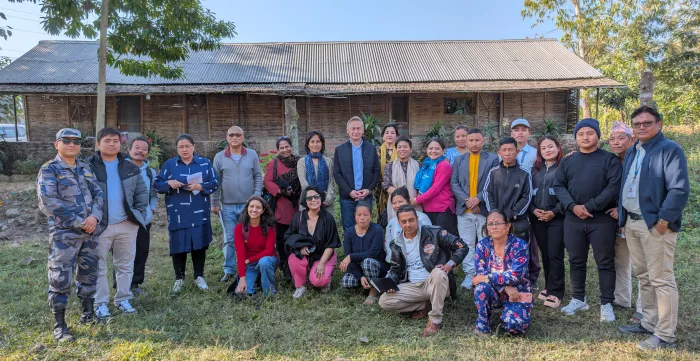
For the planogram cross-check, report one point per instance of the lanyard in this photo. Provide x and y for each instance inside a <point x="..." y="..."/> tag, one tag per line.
<point x="522" y="158"/>
<point x="637" y="165"/>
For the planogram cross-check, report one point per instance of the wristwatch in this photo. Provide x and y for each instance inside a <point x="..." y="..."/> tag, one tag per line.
<point x="451" y="263"/>
<point x="662" y="222"/>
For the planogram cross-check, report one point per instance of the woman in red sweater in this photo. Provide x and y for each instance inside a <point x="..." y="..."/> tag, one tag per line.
<point x="433" y="185"/>
<point x="254" y="238"/>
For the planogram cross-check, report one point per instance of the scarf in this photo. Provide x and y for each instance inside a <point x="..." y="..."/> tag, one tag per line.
<point x="382" y="156"/>
<point x="424" y="177"/>
<point x="401" y="179"/>
<point x="321" y="178"/>
<point x="290" y="178"/>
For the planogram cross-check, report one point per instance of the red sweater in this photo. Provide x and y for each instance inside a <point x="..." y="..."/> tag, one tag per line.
<point x="255" y="247"/>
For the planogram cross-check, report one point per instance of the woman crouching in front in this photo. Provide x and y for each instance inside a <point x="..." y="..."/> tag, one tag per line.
<point x="501" y="277"/>
<point x="254" y="238"/>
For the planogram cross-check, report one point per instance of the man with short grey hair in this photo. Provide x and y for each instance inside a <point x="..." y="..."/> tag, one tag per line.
<point x="355" y="170"/>
<point x="240" y="177"/>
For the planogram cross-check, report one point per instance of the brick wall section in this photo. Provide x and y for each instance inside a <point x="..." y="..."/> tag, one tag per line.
<point x="207" y="117"/>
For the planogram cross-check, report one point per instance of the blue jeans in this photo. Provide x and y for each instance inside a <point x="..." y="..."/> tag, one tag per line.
<point x="347" y="210"/>
<point x="230" y="214"/>
<point x="265" y="267"/>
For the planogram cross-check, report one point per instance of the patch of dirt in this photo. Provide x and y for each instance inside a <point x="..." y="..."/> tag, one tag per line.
<point x="20" y="218"/>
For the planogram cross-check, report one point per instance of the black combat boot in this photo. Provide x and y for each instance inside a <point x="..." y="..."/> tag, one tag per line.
<point x="88" y="315"/>
<point x="60" y="329"/>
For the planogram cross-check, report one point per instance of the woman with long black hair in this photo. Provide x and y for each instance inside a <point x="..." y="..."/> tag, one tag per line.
<point x="254" y="237"/>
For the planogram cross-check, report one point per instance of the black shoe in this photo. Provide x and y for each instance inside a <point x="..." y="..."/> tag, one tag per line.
<point x="634" y="330"/>
<point x="60" y="329"/>
<point x="88" y="305"/>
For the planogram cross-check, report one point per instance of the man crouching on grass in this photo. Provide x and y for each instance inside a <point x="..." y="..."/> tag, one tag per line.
<point x="422" y="260"/>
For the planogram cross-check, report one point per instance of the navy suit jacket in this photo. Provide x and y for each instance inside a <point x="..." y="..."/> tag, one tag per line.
<point x="343" y="171"/>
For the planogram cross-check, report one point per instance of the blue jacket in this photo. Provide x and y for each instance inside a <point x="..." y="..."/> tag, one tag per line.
<point x="186" y="209"/>
<point x="663" y="182"/>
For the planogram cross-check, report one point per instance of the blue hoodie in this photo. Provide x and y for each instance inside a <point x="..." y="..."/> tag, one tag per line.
<point x="152" y="194"/>
<point x="664" y="186"/>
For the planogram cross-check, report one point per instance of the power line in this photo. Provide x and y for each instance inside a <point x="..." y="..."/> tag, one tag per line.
<point x="16" y="51"/>
<point x="29" y="31"/>
<point x="17" y="17"/>
<point x="19" y="11"/>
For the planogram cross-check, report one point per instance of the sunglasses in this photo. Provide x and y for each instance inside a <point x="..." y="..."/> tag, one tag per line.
<point x="235" y="135"/>
<point x="311" y="198"/>
<point x="68" y="141"/>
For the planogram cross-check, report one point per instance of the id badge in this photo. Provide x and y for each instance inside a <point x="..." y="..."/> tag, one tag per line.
<point x="534" y="191"/>
<point x="631" y="192"/>
<point x="551" y="192"/>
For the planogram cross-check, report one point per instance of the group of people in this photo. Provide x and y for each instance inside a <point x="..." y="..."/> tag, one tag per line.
<point x="496" y="212"/>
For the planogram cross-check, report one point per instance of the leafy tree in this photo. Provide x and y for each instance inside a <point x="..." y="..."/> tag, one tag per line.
<point x="586" y="26"/>
<point x="139" y="37"/>
<point x="7" y="103"/>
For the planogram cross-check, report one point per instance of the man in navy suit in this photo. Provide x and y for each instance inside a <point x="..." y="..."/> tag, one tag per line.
<point x="355" y="170"/>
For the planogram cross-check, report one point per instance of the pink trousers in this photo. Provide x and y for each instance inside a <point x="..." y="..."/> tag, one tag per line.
<point x="300" y="268"/>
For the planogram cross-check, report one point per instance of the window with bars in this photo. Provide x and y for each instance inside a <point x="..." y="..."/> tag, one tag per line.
<point x="460" y="106"/>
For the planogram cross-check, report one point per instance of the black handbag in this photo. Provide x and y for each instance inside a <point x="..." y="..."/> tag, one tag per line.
<point x="266" y="195"/>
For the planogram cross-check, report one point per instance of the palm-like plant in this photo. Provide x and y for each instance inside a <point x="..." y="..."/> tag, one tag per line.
<point x="372" y="129"/>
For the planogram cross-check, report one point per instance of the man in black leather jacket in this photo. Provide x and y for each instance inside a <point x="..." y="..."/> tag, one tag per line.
<point x="422" y="260"/>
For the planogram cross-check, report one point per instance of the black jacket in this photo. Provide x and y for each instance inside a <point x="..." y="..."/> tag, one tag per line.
<point x="446" y="248"/>
<point x="543" y="195"/>
<point x="343" y="172"/>
<point x="297" y="235"/>
<point x="508" y="189"/>
<point x="136" y="195"/>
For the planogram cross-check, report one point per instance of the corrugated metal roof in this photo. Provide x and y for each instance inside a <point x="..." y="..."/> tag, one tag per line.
<point x="75" y="62"/>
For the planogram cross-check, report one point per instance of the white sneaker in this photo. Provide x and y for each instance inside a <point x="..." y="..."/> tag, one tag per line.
<point x="606" y="313"/>
<point x="102" y="312"/>
<point x="177" y="287"/>
<point x="201" y="283"/>
<point x="299" y="292"/>
<point x="574" y="306"/>
<point x="126" y="307"/>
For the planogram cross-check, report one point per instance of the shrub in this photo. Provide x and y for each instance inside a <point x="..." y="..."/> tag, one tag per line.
<point x="27" y="166"/>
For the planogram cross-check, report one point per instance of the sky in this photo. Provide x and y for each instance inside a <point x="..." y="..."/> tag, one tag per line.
<point x="330" y="20"/>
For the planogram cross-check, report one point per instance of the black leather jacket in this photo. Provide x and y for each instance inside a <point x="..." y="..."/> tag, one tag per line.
<point x="445" y="248"/>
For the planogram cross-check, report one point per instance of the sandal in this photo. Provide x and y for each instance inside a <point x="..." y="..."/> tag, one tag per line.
<point x="552" y="301"/>
<point x="370" y="300"/>
<point x="542" y="296"/>
<point x="636" y="318"/>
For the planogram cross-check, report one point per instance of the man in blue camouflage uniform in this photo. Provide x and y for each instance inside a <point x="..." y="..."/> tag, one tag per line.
<point x="71" y="199"/>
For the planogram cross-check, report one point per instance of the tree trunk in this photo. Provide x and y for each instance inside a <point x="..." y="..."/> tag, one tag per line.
<point x="102" y="72"/>
<point x="290" y="121"/>
<point x="582" y="53"/>
<point x="646" y="89"/>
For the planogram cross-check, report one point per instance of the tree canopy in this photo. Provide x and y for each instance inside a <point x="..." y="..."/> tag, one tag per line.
<point x="145" y="37"/>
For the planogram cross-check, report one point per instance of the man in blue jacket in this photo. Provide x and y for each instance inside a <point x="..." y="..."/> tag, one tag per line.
<point x="654" y="192"/>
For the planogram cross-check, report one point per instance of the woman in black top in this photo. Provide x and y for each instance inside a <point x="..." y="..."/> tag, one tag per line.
<point x="310" y="242"/>
<point x="364" y="253"/>
<point x="547" y="219"/>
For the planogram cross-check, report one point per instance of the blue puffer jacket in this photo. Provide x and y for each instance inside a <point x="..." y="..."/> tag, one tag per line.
<point x="663" y="182"/>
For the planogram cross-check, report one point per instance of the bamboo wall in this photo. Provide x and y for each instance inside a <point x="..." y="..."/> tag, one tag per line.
<point x="208" y="117"/>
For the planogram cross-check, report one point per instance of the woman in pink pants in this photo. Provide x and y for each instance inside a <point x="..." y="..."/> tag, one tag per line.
<point x="311" y="241"/>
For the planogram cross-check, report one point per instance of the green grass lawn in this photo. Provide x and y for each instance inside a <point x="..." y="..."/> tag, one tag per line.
<point x="212" y="326"/>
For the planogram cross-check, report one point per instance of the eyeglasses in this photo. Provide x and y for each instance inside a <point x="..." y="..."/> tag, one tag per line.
<point x="495" y="224"/>
<point x="311" y="198"/>
<point x="235" y="135"/>
<point x="68" y="141"/>
<point x="645" y="124"/>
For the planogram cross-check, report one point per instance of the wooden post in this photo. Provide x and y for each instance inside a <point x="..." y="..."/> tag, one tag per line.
<point x="102" y="68"/>
<point x="387" y="101"/>
<point x="70" y="125"/>
<point x="597" y="100"/>
<point x="476" y="120"/>
<point x="501" y="111"/>
<point x="206" y="102"/>
<point x="14" y="106"/>
<point x="308" y="114"/>
<point x="646" y="89"/>
<point x="141" y="115"/>
<point x="26" y="117"/>
<point x="290" y="119"/>
<point x="184" y="113"/>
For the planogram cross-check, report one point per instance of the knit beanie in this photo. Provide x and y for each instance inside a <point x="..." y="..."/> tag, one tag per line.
<point x="587" y="122"/>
